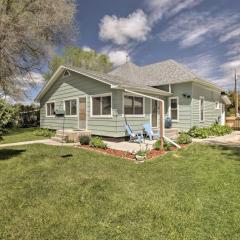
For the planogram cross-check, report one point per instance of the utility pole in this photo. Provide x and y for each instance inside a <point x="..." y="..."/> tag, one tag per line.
<point x="236" y="94"/>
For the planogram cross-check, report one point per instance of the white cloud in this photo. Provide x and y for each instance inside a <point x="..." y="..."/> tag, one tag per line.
<point x="194" y="28"/>
<point x="203" y="64"/>
<point x="231" y="34"/>
<point x="33" y="78"/>
<point x="168" y="8"/>
<point x="87" y="49"/>
<point x="121" y="30"/>
<point x="118" y="57"/>
<point x="234" y="49"/>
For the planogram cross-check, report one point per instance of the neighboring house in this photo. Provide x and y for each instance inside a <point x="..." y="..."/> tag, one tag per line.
<point x="102" y="102"/>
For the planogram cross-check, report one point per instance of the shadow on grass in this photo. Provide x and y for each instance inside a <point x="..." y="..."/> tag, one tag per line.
<point x="6" y="154"/>
<point x="228" y="151"/>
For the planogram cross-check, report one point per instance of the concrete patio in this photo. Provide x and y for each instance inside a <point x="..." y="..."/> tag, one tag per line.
<point x="232" y="139"/>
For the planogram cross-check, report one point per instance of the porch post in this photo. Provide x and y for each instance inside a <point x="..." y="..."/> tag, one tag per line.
<point x="161" y="125"/>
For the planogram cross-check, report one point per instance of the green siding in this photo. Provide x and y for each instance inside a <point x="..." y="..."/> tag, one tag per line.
<point x="76" y="86"/>
<point x="211" y="114"/>
<point x="184" y="121"/>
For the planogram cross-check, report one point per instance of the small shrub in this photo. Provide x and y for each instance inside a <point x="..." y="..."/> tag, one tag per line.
<point x="43" y="132"/>
<point x="196" y="132"/>
<point x="218" y="130"/>
<point x="84" y="140"/>
<point x="213" y="130"/>
<point x="166" y="145"/>
<point x="184" y="138"/>
<point x="142" y="153"/>
<point x="97" y="142"/>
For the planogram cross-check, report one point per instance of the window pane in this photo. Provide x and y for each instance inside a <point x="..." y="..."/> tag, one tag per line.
<point x="128" y="105"/>
<point x="48" y="109"/>
<point x="96" y="106"/>
<point x="173" y="103"/>
<point x="106" y="105"/>
<point x="67" y="108"/>
<point x="138" y="105"/>
<point x="52" y="109"/>
<point x="73" y="107"/>
<point x="174" y="114"/>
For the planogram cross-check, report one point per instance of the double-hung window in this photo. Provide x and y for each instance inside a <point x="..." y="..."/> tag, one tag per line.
<point x="173" y="108"/>
<point x="70" y="107"/>
<point x="50" y="109"/>
<point x="102" y="105"/>
<point x="133" y="105"/>
<point x="201" y="109"/>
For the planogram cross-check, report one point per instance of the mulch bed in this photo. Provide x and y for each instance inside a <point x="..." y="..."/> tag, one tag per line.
<point x="127" y="155"/>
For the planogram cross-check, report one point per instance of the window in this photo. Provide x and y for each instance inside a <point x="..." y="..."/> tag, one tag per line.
<point x="50" y="109"/>
<point x="201" y="109"/>
<point x="217" y="105"/>
<point x="101" y="105"/>
<point x="71" y="107"/>
<point x="133" y="105"/>
<point x="173" y="111"/>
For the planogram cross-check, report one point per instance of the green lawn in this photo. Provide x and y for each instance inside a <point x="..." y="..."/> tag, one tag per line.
<point x="193" y="193"/>
<point x="20" y="135"/>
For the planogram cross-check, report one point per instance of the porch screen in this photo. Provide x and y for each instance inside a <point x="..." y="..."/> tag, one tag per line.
<point x="133" y="105"/>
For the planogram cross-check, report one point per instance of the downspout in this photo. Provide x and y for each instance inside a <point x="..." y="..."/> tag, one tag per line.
<point x="162" y="116"/>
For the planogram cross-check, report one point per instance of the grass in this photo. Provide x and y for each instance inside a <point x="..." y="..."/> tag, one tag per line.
<point x="20" y="135"/>
<point x="192" y="193"/>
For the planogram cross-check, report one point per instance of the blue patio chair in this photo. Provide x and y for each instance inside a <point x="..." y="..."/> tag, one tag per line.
<point x="134" y="136"/>
<point x="149" y="131"/>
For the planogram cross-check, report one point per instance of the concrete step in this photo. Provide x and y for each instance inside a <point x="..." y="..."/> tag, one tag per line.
<point x="60" y="135"/>
<point x="58" y="139"/>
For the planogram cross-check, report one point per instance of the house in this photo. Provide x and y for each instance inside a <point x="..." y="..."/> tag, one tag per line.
<point x="101" y="103"/>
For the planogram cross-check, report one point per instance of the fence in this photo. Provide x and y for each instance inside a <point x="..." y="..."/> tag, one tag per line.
<point x="233" y="122"/>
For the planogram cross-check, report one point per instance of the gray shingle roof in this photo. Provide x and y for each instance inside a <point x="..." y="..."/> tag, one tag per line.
<point x="161" y="73"/>
<point x="119" y="81"/>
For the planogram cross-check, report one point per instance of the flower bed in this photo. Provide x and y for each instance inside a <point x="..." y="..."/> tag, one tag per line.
<point x="128" y="155"/>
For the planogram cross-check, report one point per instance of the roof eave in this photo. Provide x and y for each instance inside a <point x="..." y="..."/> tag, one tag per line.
<point x="143" y="90"/>
<point x="57" y="74"/>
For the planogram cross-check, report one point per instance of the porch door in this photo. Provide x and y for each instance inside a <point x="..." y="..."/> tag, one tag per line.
<point x="82" y="112"/>
<point x="154" y="113"/>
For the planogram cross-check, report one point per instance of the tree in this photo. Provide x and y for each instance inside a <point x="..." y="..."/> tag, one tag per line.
<point x="7" y="113"/>
<point x="231" y="108"/>
<point x="77" y="57"/>
<point x="29" y="29"/>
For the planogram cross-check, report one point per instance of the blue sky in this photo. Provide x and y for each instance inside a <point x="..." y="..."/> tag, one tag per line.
<point x="202" y="34"/>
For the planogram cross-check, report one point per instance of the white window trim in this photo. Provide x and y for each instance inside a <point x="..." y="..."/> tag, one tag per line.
<point x="91" y="105"/>
<point x="133" y="115"/>
<point x="50" y="116"/>
<point x="169" y="109"/>
<point x="64" y="107"/>
<point x="200" y="120"/>
<point x="218" y="106"/>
